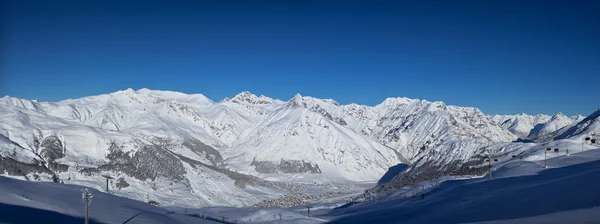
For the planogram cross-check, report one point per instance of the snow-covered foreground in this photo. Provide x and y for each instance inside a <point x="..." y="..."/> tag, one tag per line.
<point x="44" y="202"/>
<point x="35" y="202"/>
<point x="521" y="192"/>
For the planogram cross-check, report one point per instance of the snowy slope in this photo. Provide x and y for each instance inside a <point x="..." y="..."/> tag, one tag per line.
<point x="467" y="156"/>
<point x="588" y="127"/>
<point x="155" y="149"/>
<point x="31" y="202"/>
<point x="522" y="192"/>
<point x="410" y="125"/>
<point x="550" y="128"/>
<point x="296" y="140"/>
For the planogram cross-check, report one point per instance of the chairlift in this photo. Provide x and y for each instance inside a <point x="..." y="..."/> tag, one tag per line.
<point x="514" y="156"/>
<point x="548" y="149"/>
<point x="495" y="160"/>
<point x="487" y="160"/>
<point x="593" y="141"/>
<point x="556" y="150"/>
<point x="587" y="138"/>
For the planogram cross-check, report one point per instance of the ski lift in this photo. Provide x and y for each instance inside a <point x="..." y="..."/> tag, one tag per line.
<point x="587" y="138"/>
<point x="514" y="156"/>
<point x="548" y="149"/>
<point x="556" y="150"/>
<point x="495" y="160"/>
<point x="593" y="141"/>
<point x="487" y="160"/>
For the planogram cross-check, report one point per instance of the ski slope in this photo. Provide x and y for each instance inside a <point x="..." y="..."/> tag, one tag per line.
<point x="521" y="192"/>
<point x="45" y="202"/>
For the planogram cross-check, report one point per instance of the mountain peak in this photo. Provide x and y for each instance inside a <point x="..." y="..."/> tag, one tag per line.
<point x="559" y="115"/>
<point x="392" y="101"/>
<point x="297" y="100"/>
<point x="143" y="91"/>
<point x="128" y="91"/>
<point x="247" y="97"/>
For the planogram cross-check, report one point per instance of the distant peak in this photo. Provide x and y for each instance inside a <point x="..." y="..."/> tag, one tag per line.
<point x="297" y="100"/>
<point x="578" y="117"/>
<point x="247" y="97"/>
<point x="559" y="115"/>
<point x="331" y="101"/>
<point x="143" y="90"/>
<point x="245" y="93"/>
<point x="128" y="90"/>
<point x="226" y="99"/>
<point x="391" y="101"/>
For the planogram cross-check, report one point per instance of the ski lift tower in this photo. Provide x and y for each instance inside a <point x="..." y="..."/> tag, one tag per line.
<point x="489" y="160"/>
<point x="107" y="178"/>
<point x="308" y="206"/>
<point x="86" y="197"/>
<point x="223" y="218"/>
<point x="546" y="156"/>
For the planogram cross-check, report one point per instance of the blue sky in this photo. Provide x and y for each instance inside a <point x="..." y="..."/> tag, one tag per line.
<point x="500" y="56"/>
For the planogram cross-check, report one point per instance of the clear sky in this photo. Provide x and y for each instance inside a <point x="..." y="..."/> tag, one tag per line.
<point x="503" y="57"/>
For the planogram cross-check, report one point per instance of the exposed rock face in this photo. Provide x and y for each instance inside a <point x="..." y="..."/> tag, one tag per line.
<point x="13" y="167"/>
<point x="51" y="148"/>
<point x="240" y="180"/>
<point x="149" y="163"/>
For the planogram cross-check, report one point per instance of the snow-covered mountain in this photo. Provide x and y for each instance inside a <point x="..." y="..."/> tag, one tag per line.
<point x="468" y="156"/>
<point x="410" y="126"/>
<point x="552" y="127"/>
<point x="539" y="127"/>
<point x="162" y="144"/>
<point x="588" y="127"/>
<point x="520" y="124"/>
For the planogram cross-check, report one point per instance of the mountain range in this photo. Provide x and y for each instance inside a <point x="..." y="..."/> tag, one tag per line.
<point x="189" y="150"/>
